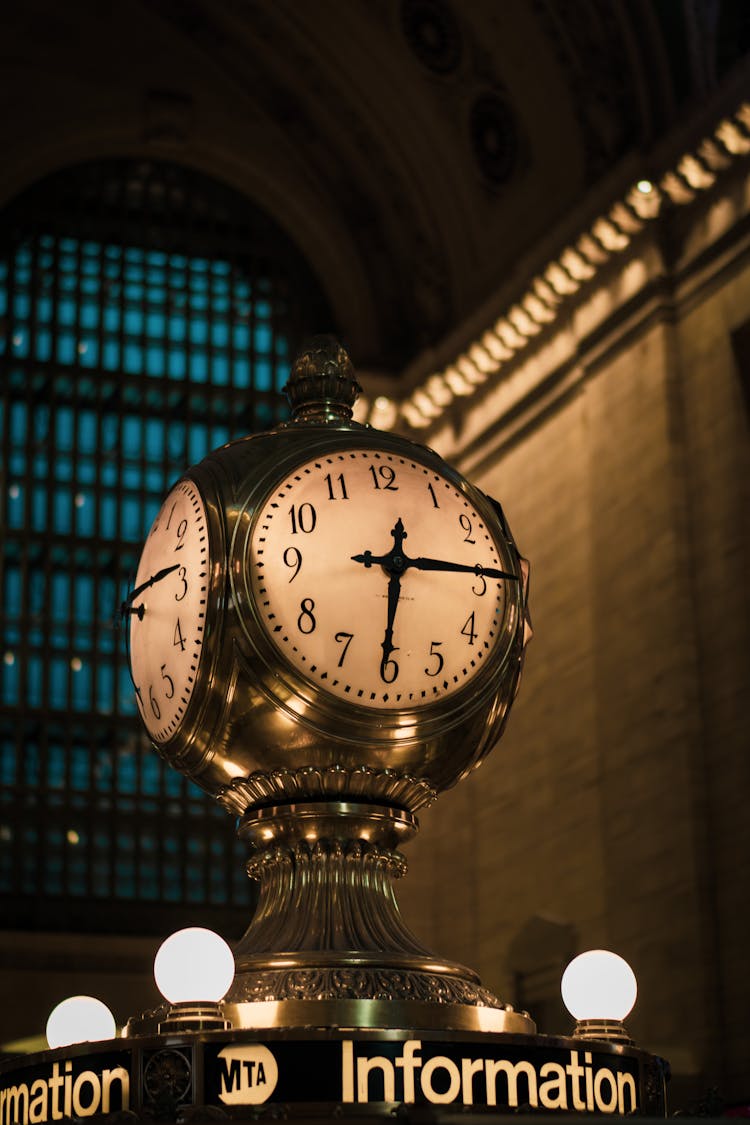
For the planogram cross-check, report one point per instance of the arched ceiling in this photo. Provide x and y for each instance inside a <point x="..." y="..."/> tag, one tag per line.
<point x="415" y="150"/>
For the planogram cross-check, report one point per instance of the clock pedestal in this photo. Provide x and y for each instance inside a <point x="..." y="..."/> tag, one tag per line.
<point x="328" y="937"/>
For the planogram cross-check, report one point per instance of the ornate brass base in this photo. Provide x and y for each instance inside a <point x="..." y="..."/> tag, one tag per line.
<point x="328" y="944"/>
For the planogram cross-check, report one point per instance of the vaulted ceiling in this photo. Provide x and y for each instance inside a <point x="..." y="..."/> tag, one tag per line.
<point x="419" y="152"/>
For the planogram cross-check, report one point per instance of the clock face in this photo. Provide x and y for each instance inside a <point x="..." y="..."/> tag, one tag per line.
<point x="378" y="580"/>
<point x="168" y="612"/>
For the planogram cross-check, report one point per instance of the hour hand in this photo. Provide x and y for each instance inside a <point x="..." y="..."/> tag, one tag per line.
<point x="463" y="568"/>
<point x="394" y="592"/>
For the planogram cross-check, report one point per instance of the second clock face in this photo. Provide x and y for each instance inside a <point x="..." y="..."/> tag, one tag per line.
<point x="169" y="613"/>
<point x="378" y="580"/>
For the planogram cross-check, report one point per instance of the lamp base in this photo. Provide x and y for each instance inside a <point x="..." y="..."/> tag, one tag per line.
<point x="604" y="1031"/>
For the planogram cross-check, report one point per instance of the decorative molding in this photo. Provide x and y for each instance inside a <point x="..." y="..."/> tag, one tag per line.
<point x="548" y="296"/>
<point x="360" y="984"/>
<point x="315" y="783"/>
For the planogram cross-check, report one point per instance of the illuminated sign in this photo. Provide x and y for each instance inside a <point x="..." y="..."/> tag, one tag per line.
<point x="79" y="1087"/>
<point x="153" y="1076"/>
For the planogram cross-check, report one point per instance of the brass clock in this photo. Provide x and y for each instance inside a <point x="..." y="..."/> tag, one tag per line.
<point x="327" y="629"/>
<point x="324" y="603"/>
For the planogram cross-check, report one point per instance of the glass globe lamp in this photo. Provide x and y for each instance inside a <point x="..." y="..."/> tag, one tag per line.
<point x="79" y="1019"/>
<point x="599" y="990"/>
<point x="193" y="970"/>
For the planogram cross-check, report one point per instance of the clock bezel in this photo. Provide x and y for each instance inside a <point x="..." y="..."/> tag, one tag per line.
<point x="310" y="703"/>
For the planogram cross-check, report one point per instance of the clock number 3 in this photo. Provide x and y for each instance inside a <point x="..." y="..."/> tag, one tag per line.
<point x="181" y="575"/>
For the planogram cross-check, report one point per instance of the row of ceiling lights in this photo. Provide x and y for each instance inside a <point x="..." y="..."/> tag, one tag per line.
<point x="610" y="234"/>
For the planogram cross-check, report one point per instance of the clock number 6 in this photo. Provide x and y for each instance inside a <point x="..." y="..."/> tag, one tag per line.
<point x="152" y="701"/>
<point x="306" y="622"/>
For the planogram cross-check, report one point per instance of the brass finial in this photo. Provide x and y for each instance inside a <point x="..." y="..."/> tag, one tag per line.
<point x="322" y="386"/>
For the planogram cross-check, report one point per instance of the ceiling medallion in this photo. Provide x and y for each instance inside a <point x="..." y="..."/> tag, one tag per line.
<point x="433" y="33"/>
<point x="494" y="137"/>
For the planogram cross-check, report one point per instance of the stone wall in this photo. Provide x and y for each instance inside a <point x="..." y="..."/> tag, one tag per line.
<point x="616" y="807"/>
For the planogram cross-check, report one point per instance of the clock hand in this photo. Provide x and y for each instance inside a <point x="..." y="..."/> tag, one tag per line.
<point x="441" y="564"/>
<point x="394" y="591"/>
<point x="127" y="606"/>
<point x="396" y="562"/>
<point x="393" y="565"/>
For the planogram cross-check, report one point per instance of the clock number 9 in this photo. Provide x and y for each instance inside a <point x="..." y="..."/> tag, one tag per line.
<point x="306" y="622"/>
<point x="483" y="580"/>
<point x="293" y="559"/>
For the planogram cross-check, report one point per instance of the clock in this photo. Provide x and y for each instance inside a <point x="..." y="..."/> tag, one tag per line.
<point x="167" y="610"/>
<point x="324" y="609"/>
<point x="377" y="579"/>
<point x="327" y="630"/>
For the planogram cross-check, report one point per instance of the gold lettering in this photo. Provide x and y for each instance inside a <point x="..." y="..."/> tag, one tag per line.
<point x="364" y="1066"/>
<point x="82" y="1109"/>
<point x="623" y="1081"/>
<point x="469" y="1067"/>
<point x="511" y="1073"/>
<point x="117" y="1074"/>
<point x="553" y="1093"/>
<point x="38" y="1103"/>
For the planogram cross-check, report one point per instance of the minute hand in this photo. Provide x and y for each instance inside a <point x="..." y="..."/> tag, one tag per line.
<point x="478" y="569"/>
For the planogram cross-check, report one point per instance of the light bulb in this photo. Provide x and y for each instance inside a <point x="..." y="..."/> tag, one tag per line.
<point x="599" y="985"/>
<point x="193" y="964"/>
<point x="79" y="1019"/>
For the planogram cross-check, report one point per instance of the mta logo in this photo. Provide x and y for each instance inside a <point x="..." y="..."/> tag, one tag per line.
<point x="247" y="1075"/>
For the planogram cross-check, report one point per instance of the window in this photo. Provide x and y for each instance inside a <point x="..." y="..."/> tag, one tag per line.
<point x="147" y="315"/>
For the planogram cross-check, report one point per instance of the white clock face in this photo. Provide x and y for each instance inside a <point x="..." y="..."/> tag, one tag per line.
<point x="378" y="580"/>
<point x="168" y="611"/>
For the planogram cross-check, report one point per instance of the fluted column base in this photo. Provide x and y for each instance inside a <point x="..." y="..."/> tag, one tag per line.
<point x="328" y="931"/>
